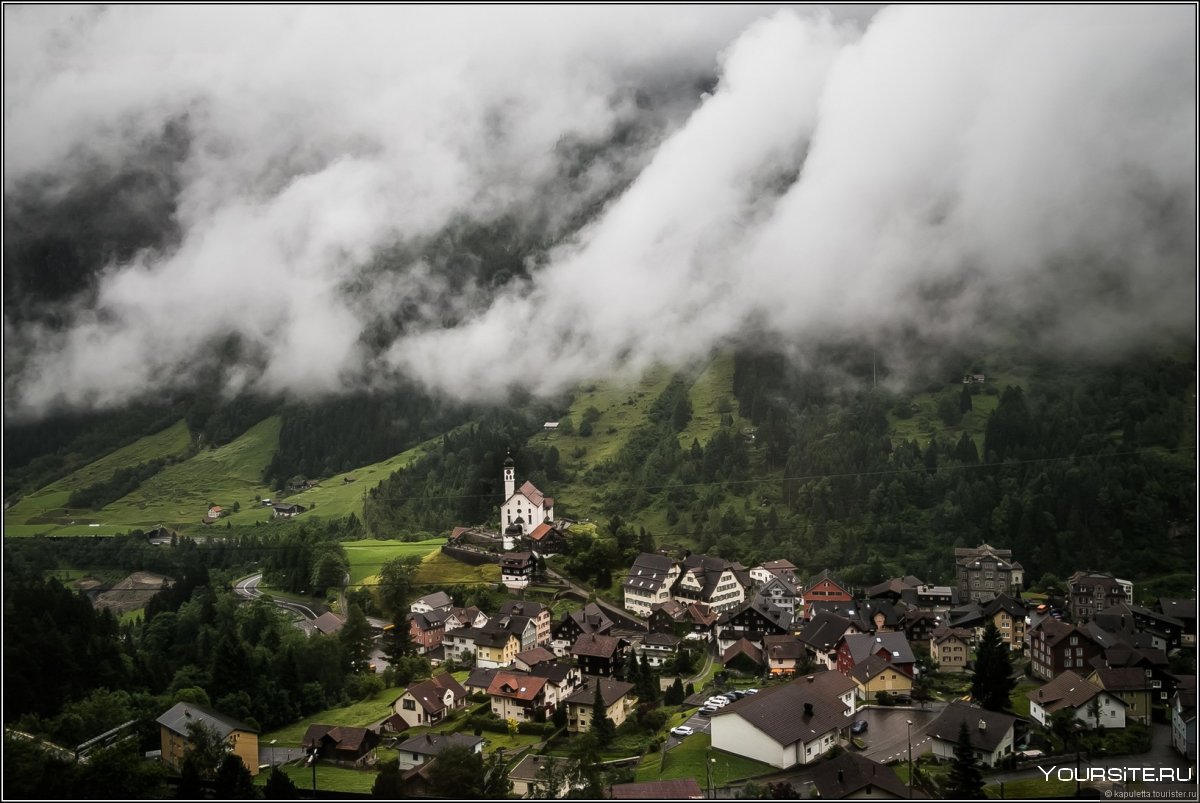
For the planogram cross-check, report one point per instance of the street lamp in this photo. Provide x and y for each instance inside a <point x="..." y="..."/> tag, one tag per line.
<point x="273" y="741"/>
<point x="712" y="793"/>
<point x="910" y="767"/>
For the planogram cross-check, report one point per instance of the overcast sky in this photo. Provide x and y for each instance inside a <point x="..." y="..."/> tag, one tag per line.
<point x="923" y="169"/>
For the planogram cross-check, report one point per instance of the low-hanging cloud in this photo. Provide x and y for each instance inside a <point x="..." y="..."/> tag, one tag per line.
<point x="938" y="170"/>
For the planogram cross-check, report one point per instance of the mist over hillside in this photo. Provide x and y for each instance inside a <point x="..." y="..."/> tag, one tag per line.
<point x="313" y="201"/>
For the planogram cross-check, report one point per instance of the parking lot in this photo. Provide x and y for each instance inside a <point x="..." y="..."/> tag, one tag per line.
<point x="888" y="732"/>
<point x="697" y="722"/>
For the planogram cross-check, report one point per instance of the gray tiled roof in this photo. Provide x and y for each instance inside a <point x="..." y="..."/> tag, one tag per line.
<point x="179" y="716"/>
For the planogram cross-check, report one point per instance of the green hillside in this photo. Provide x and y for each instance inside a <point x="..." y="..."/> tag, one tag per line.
<point x="44" y="510"/>
<point x="179" y="495"/>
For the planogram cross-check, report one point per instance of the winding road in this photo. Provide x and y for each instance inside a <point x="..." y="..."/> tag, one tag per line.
<point x="248" y="588"/>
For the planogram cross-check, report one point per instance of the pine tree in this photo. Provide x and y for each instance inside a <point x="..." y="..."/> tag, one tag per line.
<point x="966" y="781"/>
<point x="602" y="726"/>
<point x="993" y="682"/>
<point x="280" y="787"/>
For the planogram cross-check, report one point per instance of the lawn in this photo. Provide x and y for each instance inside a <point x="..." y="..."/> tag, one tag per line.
<point x="1020" y="703"/>
<point x="342" y="494"/>
<point x="178" y="495"/>
<point x="1028" y="788"/>
<point x="359" y="715"/>
<point x="689" y="760"/>
<point x="623" y="406"/>
<point x="329" y="778"/>
<point x="47" y="503"/>
<point x="366" y="558"/>
<point x="711" y="387"/>
<point x="439" y="569"/>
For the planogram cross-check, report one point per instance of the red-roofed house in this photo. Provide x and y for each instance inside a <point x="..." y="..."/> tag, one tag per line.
<point x="519" y="696"/>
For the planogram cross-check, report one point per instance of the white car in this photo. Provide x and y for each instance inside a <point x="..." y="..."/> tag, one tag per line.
<point x="682" y="730"/>
<point x="717" y="701"/>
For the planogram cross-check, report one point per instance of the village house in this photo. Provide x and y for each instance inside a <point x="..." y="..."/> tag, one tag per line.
<point x="745" y="656"/>
<point x="878" y="616"/>
<point x="427" y="630"/>
<point x="937" y="599"/>
<point x="949" y="648"/>
<point x="599" y="655"/>
<point x="175" y="739"/>
<point x="751" y="620"/>
<point x="1088" y="593"/>
<point x="519" y="696"/>
<point x="437" y="601"/>
<point x="342" y="745"/>
<point x="822" y="635"/>
<point x="533" y="773"/>
<point x="1055" y="647"/>
<point x="286" y="511"/>
<point x="458" y="645"/>
<point x="540" y="614"/>
<point x="784" y="569"/>
<point x="894" y="588"/>
<point x="561" y="680"/>
<point x="650" y="581"/>
<point x="528" y="504"/>
<point x="919" y="625"/>
<point x="1008" y="615"/>
<point x="423" y="749"/>
<point x="1088" y="703"/>
<point x="495" y="647"/>
<point x="548" y="538"/>
<point x="781" y="593"/>
<point x="465" y="617"/>
<point x="892" y="647"/>
<point x="783" y="654"/>
<point x="616" y="697"/>
<point x="1131" y="685"/>
<point x="659" y="648"/>
<point x="984" y="571"/>
<point x="991" y="733"/>
<point x="1183" y="717"/>
<point x="1182" y="610"/>
<point x="783" y="726"/>
<point x="713" y="581"/>
<point x="526" y="660"/>
<point x="824" y="587"/>
<point x="1164" y="632"/>
<point x="429" y="702"/>
<point x="876" y="675"/>
<point x="587" y="620"/>
<point x="851" y="776"/>
<point x="328" y="623"/>
<point x="516" y="569"/>
<point x="669" y="617"/>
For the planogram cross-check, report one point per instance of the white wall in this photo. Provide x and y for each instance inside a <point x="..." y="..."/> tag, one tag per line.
<point x="735" y="735"/>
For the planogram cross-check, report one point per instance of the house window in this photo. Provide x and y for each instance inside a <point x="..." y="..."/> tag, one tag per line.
<point x="410" y="705"/>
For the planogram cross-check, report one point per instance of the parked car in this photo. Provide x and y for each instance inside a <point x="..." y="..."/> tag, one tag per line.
<point x="682" y="730"/>
<point x="1031" y="754"/>
<point x="708" y="710"/>
<point x="735" y="695"/>
<point x="749" y="691"/>
<point x="718" y="702"/>
<point x="859" y="726"/>
<point x="902" y="699"/>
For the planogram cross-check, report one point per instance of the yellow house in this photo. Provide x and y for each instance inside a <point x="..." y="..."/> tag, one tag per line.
<point x="495" y="648"/>
<point x="173" y="729"/>
<point x="1130" y="685"/>
<point x="876" y="675"/>
<point x="618" y="703"/>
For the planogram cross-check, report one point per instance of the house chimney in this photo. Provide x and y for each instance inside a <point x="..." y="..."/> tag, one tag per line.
<point x="841" y="777"/>
<point x="983" y="724"/>
<point x="808" y="709"/>
<point x="810" y="678"/>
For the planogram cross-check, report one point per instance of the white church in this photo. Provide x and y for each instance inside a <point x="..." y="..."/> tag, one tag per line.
<point x="526" y="508"/>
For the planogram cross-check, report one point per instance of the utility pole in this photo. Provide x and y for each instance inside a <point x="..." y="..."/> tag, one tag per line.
<point x="910" y="764"/>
